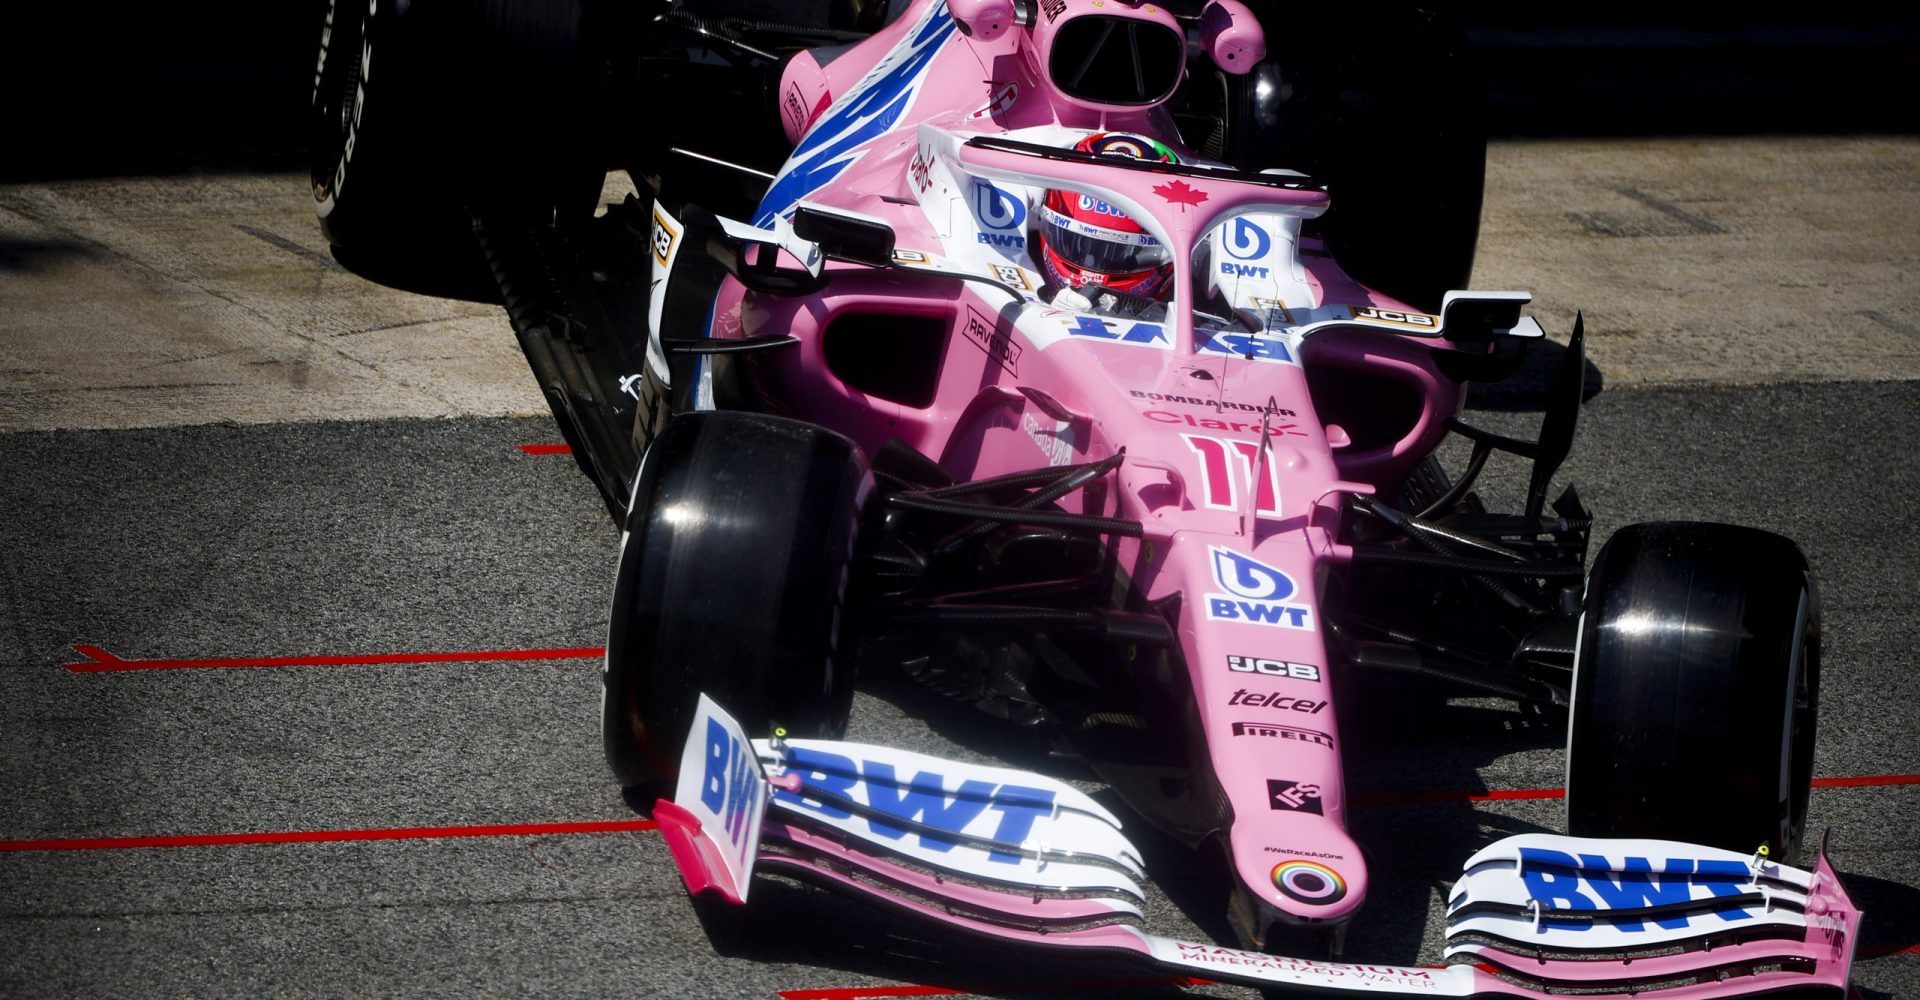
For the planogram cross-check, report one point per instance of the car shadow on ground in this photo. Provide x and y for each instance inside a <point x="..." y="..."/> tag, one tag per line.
<point x="1412" y="760"/>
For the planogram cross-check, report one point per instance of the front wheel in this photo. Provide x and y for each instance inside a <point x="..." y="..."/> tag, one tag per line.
<point x="1696" y="689"/>
<point x="731" y="580"/>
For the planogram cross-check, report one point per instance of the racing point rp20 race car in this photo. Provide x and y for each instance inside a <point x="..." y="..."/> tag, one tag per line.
<point x="979" y="340"/>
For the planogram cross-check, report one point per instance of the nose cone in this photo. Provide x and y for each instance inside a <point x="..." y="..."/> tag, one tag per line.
<point x="1303" y="872"/>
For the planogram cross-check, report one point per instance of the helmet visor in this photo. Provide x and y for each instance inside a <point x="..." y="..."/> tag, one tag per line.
<point x="1097" y="248"/>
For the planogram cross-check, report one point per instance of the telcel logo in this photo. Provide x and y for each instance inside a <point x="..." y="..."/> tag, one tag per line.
<point x="925" y="804"/>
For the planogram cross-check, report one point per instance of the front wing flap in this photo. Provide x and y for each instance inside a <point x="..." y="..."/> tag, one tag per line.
<point x="1029" y="859"/>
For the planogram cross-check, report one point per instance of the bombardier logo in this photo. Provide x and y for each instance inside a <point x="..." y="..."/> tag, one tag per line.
<point x="1002" y="813"/>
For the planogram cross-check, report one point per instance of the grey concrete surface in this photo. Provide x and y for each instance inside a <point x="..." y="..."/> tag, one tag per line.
<point x="1715" y="261"/>
<point x="386" y="536"/>
<point x="151" y="302"/>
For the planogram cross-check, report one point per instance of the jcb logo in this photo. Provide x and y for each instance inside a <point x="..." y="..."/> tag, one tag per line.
<point x="663" y="237"/>
<point x="1273" y="668"/>
<point x="1394" y="316"/>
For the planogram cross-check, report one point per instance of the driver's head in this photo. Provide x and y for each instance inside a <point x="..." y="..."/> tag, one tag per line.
<point x="1085" y="241"/>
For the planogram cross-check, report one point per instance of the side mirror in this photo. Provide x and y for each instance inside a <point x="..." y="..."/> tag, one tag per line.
<point x="858" y="239"/>
<point x="1479" y="317"/>
<point x="1232" y="36"/>
<point x="983" y="20"/>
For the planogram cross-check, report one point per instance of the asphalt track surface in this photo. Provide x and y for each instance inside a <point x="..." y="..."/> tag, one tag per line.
<point x="385" y="540"/>
<point x="300" y="707"/>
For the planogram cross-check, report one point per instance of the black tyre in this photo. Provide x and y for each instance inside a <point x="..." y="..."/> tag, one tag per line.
<point x="731" y="579"/>
<point x="425" y="111"/>
<point x="1696" y="689"/>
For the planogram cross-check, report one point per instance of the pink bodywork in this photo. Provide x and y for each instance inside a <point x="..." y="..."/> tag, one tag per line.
<point x="1189" y="420"/>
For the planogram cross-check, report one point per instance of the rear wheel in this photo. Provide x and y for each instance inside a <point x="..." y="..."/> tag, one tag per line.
<point x="425" y="112"/>
<point x="731" y="579"/>
<point x="1696" y="689"/>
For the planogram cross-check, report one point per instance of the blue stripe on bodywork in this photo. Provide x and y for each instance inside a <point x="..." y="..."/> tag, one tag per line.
<point x="832" y="145"/>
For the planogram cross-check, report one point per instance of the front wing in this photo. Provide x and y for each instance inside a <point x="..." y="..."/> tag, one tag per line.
<point x="1028" y="859"/>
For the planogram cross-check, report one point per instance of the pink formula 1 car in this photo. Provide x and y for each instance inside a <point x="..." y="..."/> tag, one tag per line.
<point x="1002" y="383"/>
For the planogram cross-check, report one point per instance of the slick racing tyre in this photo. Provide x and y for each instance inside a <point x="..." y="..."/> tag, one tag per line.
<point x="426" y="111"/>
<point x="1696" y="689"/>
<point x="731" y="578"/>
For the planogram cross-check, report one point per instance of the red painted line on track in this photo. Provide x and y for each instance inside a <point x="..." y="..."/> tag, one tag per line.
<point x="547" y="449"/>
<point x="864" y="992"/>
<point x="875" y="992"/>
<point x="1886" y="950"/>
<point x="1867" y="780"/>
<point x="99" y="660"/>
<point x="329" y="836"/>
<point x="1417" y="798"/>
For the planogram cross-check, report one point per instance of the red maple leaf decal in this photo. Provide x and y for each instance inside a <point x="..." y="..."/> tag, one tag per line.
<point x="1180" y="193"/>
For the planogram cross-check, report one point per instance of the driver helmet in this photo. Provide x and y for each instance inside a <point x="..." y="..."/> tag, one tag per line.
<point x="1085" y="241"/>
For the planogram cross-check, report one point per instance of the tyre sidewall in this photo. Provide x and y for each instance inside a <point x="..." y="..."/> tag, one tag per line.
<point x="1694" y="641"/>
<point x="731" y="582"/>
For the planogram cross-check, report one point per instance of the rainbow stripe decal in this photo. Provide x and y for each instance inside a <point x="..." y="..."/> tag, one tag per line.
<point x="1309" y="882"/>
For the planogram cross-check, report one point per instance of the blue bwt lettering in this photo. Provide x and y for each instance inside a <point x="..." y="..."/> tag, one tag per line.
<point x="924" y="801"/>
<point x="1556" y="880"/>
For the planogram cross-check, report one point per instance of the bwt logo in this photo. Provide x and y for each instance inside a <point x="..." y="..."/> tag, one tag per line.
<point x="925" y="801"/>
<point x="997" y="209"/>
<point x="725" y="788"/>
<point x="1088" y="203"/>
<point x="1244" y="270"/>
<point x="1245" y="576"/>
<point x="1254" y="592"/>
<point x="1557" y="881"/>
<point x="1247" y="241"/>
